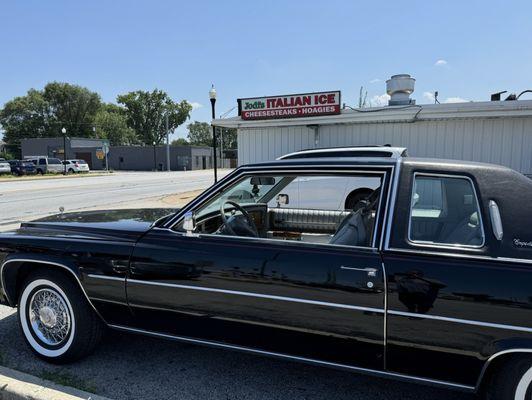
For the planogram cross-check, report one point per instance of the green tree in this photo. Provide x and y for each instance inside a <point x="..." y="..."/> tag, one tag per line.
<point x="199" y="134"/>
<point x="147" y="112"/>
<point x="73" y="107"/>
<point x="25" y="117"/>
<point x="180" y="142"/>
<point x="111" y="123"/>
<point x="42" y="113"/>
<point x="228" y="136"/>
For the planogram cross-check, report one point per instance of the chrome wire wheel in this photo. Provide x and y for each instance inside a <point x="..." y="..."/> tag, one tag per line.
<point x="49" y="317"/>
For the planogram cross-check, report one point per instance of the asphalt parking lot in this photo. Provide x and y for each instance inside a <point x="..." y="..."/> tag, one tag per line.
<point x="127" y="366"/>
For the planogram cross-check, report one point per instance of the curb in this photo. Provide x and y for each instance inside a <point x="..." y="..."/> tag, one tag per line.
<point x="15" y="385"/>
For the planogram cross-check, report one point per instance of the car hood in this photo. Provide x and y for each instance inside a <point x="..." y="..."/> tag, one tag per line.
<point x="126" y="224"/>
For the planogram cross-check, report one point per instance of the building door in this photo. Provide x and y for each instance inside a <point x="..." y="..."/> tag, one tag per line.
<point x="87" y="157"/>
<point x="204" y="162"/>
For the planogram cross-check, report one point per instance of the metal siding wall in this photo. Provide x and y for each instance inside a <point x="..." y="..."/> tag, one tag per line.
<point x="505" y="141"/>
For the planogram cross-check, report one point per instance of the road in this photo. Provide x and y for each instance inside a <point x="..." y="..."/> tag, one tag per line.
<point x="133" y="367"/>
<point x="29" y="199"/>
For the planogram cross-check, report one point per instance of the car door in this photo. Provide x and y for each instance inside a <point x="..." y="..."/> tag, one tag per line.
<point x="318" y="302"/>
<point x="451" y="305"/>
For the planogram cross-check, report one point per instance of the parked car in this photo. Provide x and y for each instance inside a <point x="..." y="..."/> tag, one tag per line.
<point x="76" y="166"/>
<point x="5" y="168"/>
<point x="427" y="279"/>
<point x="46" y="165"/>
<point x="22" y="167"/>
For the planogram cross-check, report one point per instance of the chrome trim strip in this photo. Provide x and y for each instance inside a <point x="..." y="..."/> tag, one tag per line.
<point x="445" y="245"/>
<point x="385" y="322"/>
<point x="48" y="263"/>
<point x="297" y="358"/>
<point x="258" y="295"/>
<point x="459" y="255"/>
<point x="110" y="278"/>
<point x="393" y="201"/>
<point x="461" y="321"/>
<point x="494" y="356"/>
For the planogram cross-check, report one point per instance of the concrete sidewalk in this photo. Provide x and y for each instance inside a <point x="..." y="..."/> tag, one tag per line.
<point x="15" y="385"/>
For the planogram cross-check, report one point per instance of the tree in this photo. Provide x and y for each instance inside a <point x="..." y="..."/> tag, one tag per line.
<point x="146" y="113"/>
<point x="111" y="124"/>
<point x="73" y="107"/>
<point x="229" y="138"/>
<point x="44" y="113"/>
<point x="25" y="117"/>
<point x="180" y="142"/>
<point x="199" y="134"/>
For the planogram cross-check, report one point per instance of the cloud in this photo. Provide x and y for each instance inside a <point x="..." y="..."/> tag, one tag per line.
<point x="429" y="96"/>
<point x="455" y="100"/>
<point x="376" y="80"/>
<point x="195" y="105"/>
<point x="379" y="100"/>
<point x="440" y="63"/>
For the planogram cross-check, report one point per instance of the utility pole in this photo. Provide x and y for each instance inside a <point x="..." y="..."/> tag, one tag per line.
<point x="212" y="96"/>
<point x="167" y="145"/>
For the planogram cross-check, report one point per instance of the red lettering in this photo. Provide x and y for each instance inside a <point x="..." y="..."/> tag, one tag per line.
<point x="330" y="98"/>
<point x="322" y="99"/>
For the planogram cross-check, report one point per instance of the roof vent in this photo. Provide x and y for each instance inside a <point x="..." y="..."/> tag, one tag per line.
<point x="400" y="87"/>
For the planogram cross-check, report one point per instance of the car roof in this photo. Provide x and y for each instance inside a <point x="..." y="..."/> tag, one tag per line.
<point x="350" y="151"/>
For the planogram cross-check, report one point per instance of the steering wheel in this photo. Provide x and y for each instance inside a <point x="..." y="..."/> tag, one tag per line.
<point x="249" y="230"/>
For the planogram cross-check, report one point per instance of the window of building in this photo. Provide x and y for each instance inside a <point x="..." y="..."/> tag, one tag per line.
<point x="445" y="211"/>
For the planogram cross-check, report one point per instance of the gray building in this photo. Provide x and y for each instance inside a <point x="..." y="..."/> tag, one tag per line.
<point x="148" y="158"/>
<point x="90" y="150"/>
<point x="497" y="132"/>
<point x="126" y="158"/>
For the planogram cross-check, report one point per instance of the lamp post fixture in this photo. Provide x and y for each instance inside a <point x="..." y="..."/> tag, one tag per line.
<point x="212" y="96"/>
<point x="63" y="131"/>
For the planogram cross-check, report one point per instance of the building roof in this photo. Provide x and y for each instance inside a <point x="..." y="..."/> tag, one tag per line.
<point x="389" y="114"/>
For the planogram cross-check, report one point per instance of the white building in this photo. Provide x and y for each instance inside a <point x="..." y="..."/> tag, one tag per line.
<point x="497" y="132"/>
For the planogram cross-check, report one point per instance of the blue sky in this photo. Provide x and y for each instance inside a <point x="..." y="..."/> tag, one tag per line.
<point x="464" y="49"/>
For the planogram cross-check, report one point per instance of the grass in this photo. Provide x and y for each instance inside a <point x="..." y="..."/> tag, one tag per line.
<point x="66" y="379"/>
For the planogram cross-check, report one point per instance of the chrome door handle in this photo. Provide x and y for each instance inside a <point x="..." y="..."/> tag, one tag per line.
<point x="371" y="271"/>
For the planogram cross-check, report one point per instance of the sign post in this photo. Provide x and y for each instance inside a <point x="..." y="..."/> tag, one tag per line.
<point x="290" y="106"/>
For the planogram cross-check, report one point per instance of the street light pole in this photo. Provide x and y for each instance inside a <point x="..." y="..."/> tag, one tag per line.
<point x="154" y="158"/>
<point x="212" y="96"/>
<point x="167" y="145"/>
<point x="63" y="131"/>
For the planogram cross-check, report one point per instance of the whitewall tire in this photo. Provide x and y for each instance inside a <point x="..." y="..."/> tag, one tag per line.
<point x="56" y="320"/>
<point x="511" y="380"/>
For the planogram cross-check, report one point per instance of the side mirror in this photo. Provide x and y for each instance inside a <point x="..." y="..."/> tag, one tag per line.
<point x="189" y="224"/>
<point x="282" y="200"/>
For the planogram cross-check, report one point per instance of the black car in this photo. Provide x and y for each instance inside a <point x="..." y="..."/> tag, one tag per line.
<point x="19" y="167"/>
<point x="427" y="278"/>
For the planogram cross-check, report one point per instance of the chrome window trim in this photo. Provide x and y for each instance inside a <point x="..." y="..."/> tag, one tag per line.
<point x="459" y="255"/>
<point x="384" y="171"/>
<point x="48" y="263"/>
<point x="391" y="203"/>
<point x="297" y="358"/>
<point x="460" y="321"/>
<point x="259" y="295"/>
<point x="385" y="322"/>
<point x="444" y="245"/>
<point x="222" y="184"/>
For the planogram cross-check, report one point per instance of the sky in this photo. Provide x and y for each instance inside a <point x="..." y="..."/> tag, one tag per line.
<point x="465" y="50"/>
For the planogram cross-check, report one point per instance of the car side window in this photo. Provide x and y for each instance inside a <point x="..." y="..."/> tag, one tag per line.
<point x="445" y="211"/>
<point x="333" y="210"/>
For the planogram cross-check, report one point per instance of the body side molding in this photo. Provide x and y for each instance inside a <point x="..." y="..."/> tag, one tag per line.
<point x="366" y="371"/>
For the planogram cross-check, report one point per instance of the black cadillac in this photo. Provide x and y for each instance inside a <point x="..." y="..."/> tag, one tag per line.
<point x="364" y="260"/>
